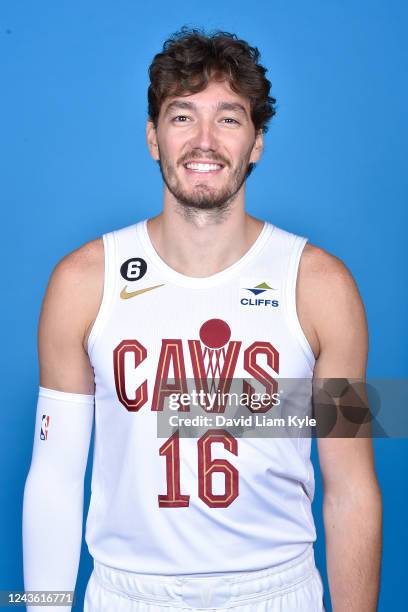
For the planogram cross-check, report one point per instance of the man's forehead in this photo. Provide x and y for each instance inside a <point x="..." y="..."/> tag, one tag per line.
<point x="221" y="105"/>
<point x="213" y="96"/>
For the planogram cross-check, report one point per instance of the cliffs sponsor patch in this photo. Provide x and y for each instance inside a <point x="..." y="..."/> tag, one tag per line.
<point x="258" y="293"/>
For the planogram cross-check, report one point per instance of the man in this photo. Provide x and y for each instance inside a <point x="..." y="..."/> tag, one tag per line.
<point x="215" y="522"/>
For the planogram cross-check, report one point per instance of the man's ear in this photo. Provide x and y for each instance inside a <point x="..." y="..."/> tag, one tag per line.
<point x="151" y="138"/>
<point x="257" y="148"/>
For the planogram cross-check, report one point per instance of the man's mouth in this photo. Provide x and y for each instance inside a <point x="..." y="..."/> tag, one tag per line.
<point x="203" y="167"/>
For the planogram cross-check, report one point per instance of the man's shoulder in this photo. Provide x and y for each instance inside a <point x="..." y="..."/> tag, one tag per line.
<point x="324" y="271"/>
<point x="328" y="298"/>
<point x="75" y="287"/>
<point x="82" y="264"/>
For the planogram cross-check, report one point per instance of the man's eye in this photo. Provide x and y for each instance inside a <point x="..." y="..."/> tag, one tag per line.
<point x="180" y="118"/>
<point x="230" y="120"/>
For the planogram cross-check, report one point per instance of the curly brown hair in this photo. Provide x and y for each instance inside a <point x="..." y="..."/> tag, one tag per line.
<point x="190" y="59"/>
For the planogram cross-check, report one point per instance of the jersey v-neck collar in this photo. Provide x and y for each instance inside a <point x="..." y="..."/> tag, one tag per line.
<point x="204" y="281"/>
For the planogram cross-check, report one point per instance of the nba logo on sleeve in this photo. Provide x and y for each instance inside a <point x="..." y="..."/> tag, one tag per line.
<point x="45" y="421"/>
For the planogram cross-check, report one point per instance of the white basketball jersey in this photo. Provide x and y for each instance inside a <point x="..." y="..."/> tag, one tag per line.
<point x="216" y="503"/>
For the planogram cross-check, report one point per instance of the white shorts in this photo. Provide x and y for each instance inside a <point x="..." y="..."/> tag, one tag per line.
<point x="294" y="586"/>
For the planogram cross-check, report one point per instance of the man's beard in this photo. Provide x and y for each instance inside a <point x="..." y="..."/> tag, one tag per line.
<point x="203" y="196"/>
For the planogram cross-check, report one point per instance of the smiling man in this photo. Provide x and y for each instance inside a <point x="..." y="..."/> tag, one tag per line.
<point x="202" y="292"/>
<point x="210" y="177"/>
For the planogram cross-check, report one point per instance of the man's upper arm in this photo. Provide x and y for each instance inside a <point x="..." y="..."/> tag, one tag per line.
<point x="340" y="325"/>
<point x="69" y="308"/>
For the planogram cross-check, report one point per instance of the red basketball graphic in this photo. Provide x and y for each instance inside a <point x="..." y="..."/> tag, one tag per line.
<point x="215" y="333"/>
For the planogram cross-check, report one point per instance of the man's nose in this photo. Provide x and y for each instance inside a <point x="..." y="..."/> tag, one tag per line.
<point x="205" y="137"/>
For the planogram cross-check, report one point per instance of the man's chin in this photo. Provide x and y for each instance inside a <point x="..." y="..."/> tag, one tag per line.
<point x="204" y="201"/>
<point x="202" y="204"/>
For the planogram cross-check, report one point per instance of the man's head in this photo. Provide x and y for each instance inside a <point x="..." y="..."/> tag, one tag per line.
<point x="209" y="106"/>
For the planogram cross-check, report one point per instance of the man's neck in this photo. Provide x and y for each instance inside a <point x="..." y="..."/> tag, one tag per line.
<point x="200" y="246"/>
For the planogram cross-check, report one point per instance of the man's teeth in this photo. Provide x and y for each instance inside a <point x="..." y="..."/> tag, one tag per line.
<point x="203" y="167"/>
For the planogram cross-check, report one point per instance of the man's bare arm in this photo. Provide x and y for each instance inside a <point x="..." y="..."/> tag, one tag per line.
<point x="70" y="305"/>
<point x="352" y="501"/>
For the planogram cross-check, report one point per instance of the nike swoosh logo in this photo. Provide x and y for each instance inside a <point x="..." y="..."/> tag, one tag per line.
<point x="126" y="295"/>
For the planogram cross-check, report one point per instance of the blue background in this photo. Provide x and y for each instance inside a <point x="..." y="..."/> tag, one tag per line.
<point x="74" y="164"/>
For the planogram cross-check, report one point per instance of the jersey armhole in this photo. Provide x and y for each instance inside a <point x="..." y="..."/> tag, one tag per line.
<point x="290" y="299"/>
<point x="108" y="291"/>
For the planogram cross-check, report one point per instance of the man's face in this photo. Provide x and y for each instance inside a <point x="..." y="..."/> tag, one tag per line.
<point x="204" y="143"/>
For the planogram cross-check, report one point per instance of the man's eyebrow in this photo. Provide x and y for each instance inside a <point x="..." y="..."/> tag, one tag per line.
<point x="232" y="106"/>
<point x="182" y="104"/>
<point x="221" y="106"/>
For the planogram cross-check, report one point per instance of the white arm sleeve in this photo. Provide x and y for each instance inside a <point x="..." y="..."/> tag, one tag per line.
<point x="54" y="492"/>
